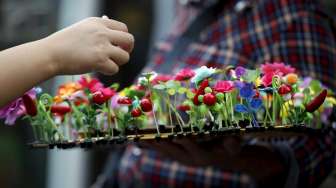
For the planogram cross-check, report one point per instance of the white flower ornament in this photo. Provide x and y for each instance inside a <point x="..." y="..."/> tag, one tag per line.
<point x="202" y="73"/>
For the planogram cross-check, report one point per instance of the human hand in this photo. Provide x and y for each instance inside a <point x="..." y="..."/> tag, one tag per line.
<point x="93" y="44"/>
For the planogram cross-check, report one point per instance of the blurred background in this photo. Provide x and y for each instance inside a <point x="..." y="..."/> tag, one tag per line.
<point x="26" y="20"/>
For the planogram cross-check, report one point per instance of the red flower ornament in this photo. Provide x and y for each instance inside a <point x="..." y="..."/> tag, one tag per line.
<point x="184" y="74"/>
<point x="103" y="95"/>
<point x="98" y="98"/>
<point x="277" y="68"/>
<point x="91" y="84"/>
<point x="284" y="89"/>
<point x="183" y="108"/>
<point x="224" y="86"/>
<point x="125" y="101"/>
<point x="161" y="78"/>
<point x="60" y="109"/>
<point x="30" y="105"/>
<point x="267" y="79"/>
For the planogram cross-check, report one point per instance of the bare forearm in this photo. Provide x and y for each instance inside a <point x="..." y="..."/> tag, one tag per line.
<point x="23" y="67"/>
<point x="94" y="44"/>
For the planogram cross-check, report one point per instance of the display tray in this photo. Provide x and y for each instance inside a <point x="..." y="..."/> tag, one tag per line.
<point x="168" y="133"/>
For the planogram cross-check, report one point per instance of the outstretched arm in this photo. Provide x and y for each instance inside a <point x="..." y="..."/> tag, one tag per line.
<point x="94" y="44"/>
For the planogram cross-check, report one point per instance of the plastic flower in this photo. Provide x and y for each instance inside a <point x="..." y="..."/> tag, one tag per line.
<point x="66" y="90"/>
<point x="146" y="78"/>
<point x="306" y="82"/>
<point x="79" y="97"/>
<point x="291" y="78"/>
<point x="183" y="107"/>
<point x="200" y="91"/>
<point x="103" y="95"/>
<point x="60" y="109"/>
<point x="298" y="99"/>
<point x="284" y="89"/>
<point x="30" y="105"/>
<point x="184" y="74"/>
<point x="240" y="71"/>
<point x="267" y="79"/>
<point x="247" y="92"/>
<point x="124" y="101"/>
<point x="202" y="73"/>
<point x="15" y="109"/>
<point x="277" y="68"/>
<point x="91" y="84"/>
<point x="161" y="78"/>
<point x="254" y="105"/>
<point x="142" y="81"/>
<point x="285" y="108"/>
<point x="224" y="86"/>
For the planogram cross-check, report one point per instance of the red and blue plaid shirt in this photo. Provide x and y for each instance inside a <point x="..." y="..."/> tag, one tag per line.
<point x="147" y="168"/>
<point x="296" y="32"/>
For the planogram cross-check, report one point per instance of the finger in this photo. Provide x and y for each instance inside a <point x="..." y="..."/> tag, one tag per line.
<point x="109" y="67"/>
<point x="118" y="55"/>
<point x="113" y="24"/>
<point x="122" y="39"/>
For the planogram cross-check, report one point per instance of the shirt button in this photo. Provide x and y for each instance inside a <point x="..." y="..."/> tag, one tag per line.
<point x="242" y="5"/>
<point x="136" y="151"/>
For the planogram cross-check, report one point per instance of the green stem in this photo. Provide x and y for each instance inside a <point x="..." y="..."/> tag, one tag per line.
<point x="267" y="110"/>
<point x="109" y="117"/>
<point x="182" y="124"/>
<point x="273" y="108"/>
<point x="170" y="116"/>
<point x="154" y="116"/>
<point x="211" y="116"/>
<point x="231" y="107"/>
<point x="34" y="133"/>
<point x="51" y="122"/>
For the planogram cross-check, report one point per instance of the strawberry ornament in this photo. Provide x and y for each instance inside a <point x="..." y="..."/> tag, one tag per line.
<point x="136" y="112"/>
<point x="209" y="99"/>
<point x="146" y="105"/>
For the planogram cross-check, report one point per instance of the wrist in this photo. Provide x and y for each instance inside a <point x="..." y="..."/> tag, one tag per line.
<point x="47" y="51"/>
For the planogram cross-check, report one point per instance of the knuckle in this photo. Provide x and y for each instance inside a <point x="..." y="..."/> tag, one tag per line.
<point x="100" y="56"/>
<point x="120" y="25"/>
<point x="92" y="19"/>
<point x="123" y="26"/>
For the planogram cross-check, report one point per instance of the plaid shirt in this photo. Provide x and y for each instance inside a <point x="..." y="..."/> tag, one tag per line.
<point x="296" y="32"/>
<point x="314" y="154"/>
<point x="145" y="168"/>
